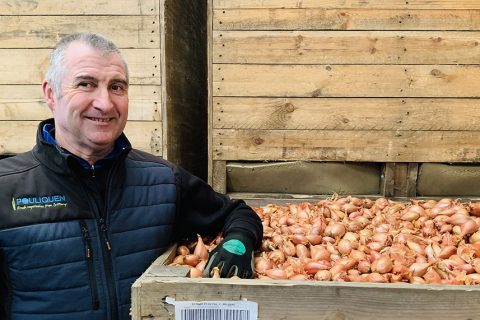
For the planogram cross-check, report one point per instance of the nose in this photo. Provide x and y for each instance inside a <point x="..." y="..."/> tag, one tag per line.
<point x="102" y="100"/>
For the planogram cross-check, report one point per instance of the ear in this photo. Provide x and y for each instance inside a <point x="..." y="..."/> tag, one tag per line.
<point x="49" y="95"/>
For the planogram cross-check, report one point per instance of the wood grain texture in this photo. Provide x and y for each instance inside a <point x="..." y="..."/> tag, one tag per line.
<point x="26" y="102"/>
<point x="144" y="135"/>
<point x="347" y="145"/>
<point x="367" y="4"/>
<point x="346" y="80"/>
<point x="345" y="19"/>
<point x="346" y="113"/>
<point x="365" y="300"/>
<point x="78" y="7"/>
<point x="346" y="47"/>
<point x="44" y="31"/>
<point x="144" y="65"/>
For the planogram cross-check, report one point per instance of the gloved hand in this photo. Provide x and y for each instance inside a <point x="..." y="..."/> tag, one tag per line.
<point x="233" y="256"/>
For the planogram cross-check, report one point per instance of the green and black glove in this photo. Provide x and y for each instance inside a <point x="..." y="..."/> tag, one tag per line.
<point x="233" y="257"/>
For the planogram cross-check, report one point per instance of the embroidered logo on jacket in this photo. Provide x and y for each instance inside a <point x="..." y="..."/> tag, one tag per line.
<point x="27" y="202"/>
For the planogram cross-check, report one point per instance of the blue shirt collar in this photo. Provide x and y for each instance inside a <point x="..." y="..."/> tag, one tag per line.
<point x="120" y="144"/>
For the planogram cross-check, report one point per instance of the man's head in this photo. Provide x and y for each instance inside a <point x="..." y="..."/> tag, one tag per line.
<point x="86" y="87"/>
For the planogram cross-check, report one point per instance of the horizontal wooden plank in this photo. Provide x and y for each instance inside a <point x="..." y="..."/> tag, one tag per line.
<point x="370" y="4"/>
<point x="309" y="300"/>
<point x="346" y="145"/>
<point x="27" y="66"/>
<point x="76" y="7"/>
<point x="346" y="47"/>
<point x="25" y="102"/>
<point x="144" y="135"/>
<point x="346" y="80"/>
<point x="45" y="31"/>
<point x="346" y="113"/>
<point x="345" y="19"/>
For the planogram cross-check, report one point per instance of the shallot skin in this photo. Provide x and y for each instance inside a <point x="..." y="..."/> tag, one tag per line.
<point x="361" y="240"/>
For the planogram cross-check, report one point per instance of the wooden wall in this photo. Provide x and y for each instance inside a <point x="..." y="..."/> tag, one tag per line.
<point x="393" y="82"/>
<point x="29" y="30"/>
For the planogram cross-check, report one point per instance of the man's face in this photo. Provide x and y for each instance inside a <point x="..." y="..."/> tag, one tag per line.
<point x="92" y="110"/>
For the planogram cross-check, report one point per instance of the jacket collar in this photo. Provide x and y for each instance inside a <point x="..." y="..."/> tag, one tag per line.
<point x="56" y="158"/>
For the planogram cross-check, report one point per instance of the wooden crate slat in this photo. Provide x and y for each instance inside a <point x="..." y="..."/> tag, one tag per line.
<point x="312" y="299"/>
<point x="346" y="47"/>
<point x="144" y="65"/>
<point x="346" y="80"/>
<point x="144" y="135"/>
<point x="347" y="145"/>
<point x="345" y="19"/>
<point x="75" y="7"/>
<point x="25" y="102"/>
<point x="370" y="4"/>
<point x="346" y="113"/>
<point x="43" y="31"/>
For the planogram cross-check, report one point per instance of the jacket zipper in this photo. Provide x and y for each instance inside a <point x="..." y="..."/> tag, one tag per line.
<point x="107" y="248"/>
<point x="91" y="271"/>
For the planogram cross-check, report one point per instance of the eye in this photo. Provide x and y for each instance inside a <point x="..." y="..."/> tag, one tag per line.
<point x="85" y="84"/>
<point x="118" y="87"/>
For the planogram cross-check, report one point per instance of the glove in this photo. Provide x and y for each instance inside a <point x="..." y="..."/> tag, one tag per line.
<point x="233" y="257"/>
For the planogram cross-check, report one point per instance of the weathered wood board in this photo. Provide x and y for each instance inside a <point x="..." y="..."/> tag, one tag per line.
<point x="391" y="82"/>
<point x="164" y="53"/>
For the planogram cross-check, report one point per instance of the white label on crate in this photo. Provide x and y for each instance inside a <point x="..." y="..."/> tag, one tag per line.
<point x="214" y="310"/>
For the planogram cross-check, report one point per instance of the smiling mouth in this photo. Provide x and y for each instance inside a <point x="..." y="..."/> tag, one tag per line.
<point x="104" y="120"/>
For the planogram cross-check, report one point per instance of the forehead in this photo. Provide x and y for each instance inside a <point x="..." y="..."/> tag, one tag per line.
<point x="80" y="58"/>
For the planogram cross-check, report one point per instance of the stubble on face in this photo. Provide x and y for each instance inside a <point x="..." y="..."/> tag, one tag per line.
<point x="93" y="108"/>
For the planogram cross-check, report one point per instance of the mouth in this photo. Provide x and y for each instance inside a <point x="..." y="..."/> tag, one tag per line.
<point x="101" y="120"/>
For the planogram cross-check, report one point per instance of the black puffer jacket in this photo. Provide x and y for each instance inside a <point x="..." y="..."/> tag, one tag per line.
<point x="68" y="251"/>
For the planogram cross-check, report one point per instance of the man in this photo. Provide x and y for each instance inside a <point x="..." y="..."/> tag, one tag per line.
<point x="83" y="214"/>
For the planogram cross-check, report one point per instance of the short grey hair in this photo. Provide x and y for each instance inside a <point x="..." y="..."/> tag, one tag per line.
<point x="56" y="68"/>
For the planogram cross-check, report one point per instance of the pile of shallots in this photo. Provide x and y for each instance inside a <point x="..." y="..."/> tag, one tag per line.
<point x="363" y="240"/>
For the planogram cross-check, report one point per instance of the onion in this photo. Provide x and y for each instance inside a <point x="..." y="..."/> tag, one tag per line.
<point x="475" y="209"/>
<point x="475" y="238"/>
<point x="191" y="260"/>
<point x="344" y="246"/>
<point x="432" y="276"/>
<point x="319" y="253"/>
<point x="302" y="251"/>
<point x="183" y="250"/>
<point x="277" y="256"/>
<point x="313" y="267"/>
<point x="298" y="276"/>
<point x="262" y="264"/>
<point x="200" y="249"/>
<point x="195" y="273"/>
<point x="469" y="227"/>
<point x="314" y="239"/>
<point x="419" y="269"/>
<point x="337" y="229"/>
<point x="323" y="275"/>
<point x="201" y="265"/>
<point x="382" y="265"/>
<point x="276" y="274"/>
<point x="446" y="252"/>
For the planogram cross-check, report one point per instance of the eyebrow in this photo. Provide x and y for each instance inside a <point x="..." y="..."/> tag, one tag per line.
<point x="90" y="78"/>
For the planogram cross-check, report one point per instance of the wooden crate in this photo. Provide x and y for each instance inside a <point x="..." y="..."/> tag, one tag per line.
<point x="389" y="82"/>
<point x="303" y="300"/>
<point x="164" y="43"/>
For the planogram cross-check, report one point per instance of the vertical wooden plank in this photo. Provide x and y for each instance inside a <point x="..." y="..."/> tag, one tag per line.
<point x="412" y="175"/>
<point x="185" y="84"/>
<point x="387" y="181"/>
<point x="399" y="180"/>
<point x="210" y="92"/>
<point x="219" y="176"/>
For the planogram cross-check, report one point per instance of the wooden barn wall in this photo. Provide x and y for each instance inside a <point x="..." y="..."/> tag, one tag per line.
<point x="29" y="31"/>
<point x="164" y="43"/>
<point x="386" y="81"/>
